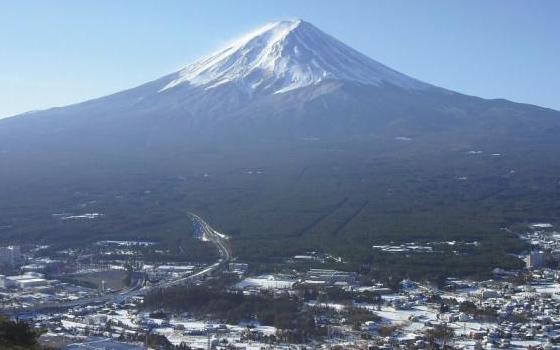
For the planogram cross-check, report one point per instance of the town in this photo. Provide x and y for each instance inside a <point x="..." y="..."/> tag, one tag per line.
<point x="75" y="297"/>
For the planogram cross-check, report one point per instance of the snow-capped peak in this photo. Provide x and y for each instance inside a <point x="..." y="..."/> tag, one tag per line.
<point x="287" y="55"/>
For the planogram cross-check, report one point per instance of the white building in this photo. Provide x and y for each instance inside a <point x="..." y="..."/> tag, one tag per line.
<point x="32" y="283"/>
<point x="331" y="277"/>
<point x="175" y="268"/>
<point x="34" y="268"/>
<point x="267" y="282"/>
<point x="24" y="281"/>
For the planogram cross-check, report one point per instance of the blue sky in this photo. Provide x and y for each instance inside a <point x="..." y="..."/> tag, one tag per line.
<point x="55" y="53"/>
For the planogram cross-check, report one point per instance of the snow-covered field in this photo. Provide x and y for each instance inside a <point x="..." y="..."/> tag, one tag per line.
<point x="265" y="282"/>
<point x="229" y="332"/>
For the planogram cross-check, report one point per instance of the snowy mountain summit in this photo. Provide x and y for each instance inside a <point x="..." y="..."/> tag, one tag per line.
<point x="284" y="56"/>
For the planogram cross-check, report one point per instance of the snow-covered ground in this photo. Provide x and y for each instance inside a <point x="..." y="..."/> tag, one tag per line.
<point x="284" y="56"/>
<point x="229" y="332"/>
<point x="266" y="282"/>
<point x="82" y="216"/>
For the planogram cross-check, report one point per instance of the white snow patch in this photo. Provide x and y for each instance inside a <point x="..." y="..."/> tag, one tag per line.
<point x="542" y="225"/>
<point x="82" y="216"/>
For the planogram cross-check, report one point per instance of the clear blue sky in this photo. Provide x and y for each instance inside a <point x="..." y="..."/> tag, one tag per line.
<point x="55" y="53"/>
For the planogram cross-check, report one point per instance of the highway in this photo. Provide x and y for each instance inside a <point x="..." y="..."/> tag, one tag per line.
<point x="221" y="242"/>
<point x="206" y="233"/>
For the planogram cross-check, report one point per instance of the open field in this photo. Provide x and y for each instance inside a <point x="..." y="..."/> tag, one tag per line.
<point x="114" y="279"/>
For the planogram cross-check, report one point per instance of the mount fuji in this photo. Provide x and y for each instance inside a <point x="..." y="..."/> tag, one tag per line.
<point x="287" y="139"/>
<point x="286" y="79"/>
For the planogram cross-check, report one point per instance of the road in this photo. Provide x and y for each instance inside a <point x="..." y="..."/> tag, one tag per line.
<point x="221" y="242"/>
<point x="206" y="233"/>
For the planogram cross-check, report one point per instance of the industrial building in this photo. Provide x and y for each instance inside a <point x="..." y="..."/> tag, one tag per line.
<point x="535" y="260"/>
<point x="10" y="256"/>
<point x="28" y="280"/>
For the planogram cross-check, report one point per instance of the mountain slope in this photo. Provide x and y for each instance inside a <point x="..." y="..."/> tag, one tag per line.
<point x="285" y="79"/>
